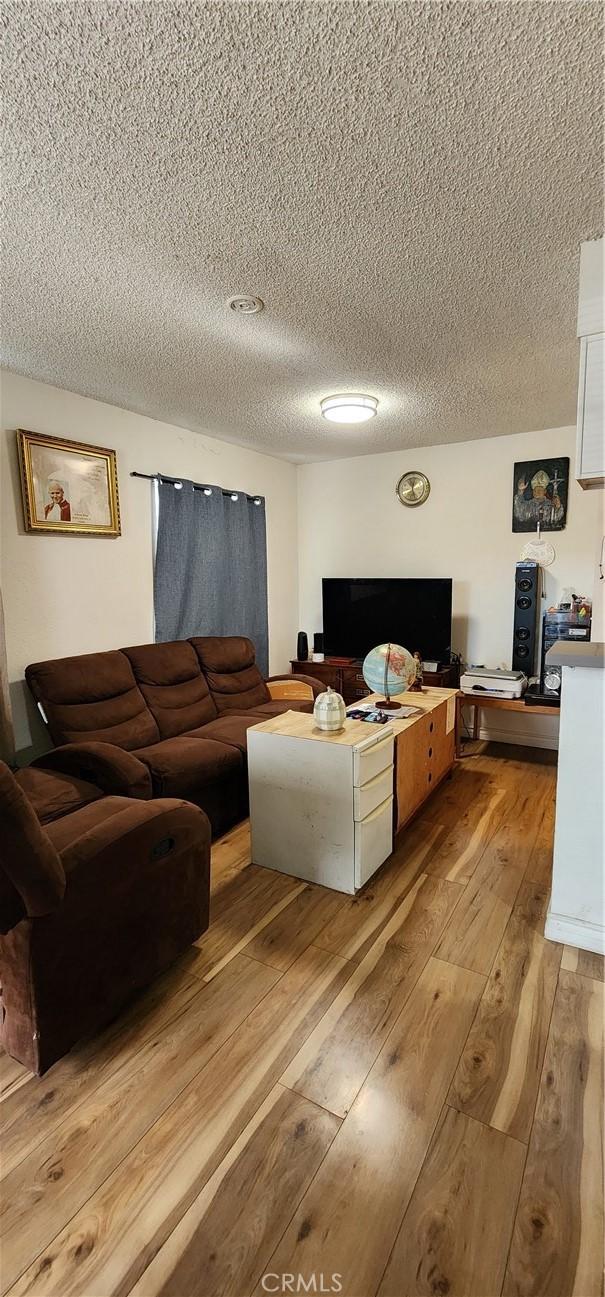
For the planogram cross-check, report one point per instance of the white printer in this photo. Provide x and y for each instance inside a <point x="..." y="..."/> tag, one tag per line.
<point x="493" y="683"/>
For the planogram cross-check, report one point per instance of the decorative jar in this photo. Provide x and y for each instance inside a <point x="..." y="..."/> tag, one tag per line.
<point x="329" y="712"/>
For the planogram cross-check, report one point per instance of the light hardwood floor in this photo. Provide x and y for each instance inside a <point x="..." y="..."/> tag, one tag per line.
<point x="401" y="1089"/>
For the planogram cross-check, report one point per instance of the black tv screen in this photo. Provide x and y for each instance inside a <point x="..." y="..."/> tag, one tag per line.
<point x="362" y="612"/>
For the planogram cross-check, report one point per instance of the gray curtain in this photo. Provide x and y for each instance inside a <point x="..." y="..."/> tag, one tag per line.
<point x="7" y="736"/>
<point x="211" y="565"/>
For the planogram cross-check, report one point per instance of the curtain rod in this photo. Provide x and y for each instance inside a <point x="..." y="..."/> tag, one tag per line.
<point x="197" y="486"/>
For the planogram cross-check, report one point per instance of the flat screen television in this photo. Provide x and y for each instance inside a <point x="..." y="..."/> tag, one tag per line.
<point x="361" y="612"/>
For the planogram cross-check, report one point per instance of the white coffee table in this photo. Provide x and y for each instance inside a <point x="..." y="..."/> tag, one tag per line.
<point x="321" y="804"/>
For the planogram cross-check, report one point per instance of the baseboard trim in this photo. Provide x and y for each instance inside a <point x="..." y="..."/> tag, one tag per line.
<point x="573" y="932"/>
<point x="520" y="738"/>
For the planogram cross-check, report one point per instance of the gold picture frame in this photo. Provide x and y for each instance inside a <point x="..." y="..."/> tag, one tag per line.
<point x="68" y="486"/>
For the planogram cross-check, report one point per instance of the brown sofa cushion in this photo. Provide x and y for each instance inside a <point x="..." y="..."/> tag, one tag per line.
<point x="227" y="729"/>
<point x="74" y="828"/>
<point x="53" y="794"/>
<point x="32" y="879"/>
<point x="228" y="662"/>
<point x="171" y="681"/>
<point x="181" y="766"/>
<point x="94" y="696"/>
<point x="118" y="818"/>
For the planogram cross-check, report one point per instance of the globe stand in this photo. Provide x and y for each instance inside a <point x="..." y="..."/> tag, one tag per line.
<point x="387" y="705"/>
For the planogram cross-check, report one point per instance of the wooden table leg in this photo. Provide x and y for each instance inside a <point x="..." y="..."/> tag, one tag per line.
<point x="466" y="701"/>
<point x="476" y="721"/>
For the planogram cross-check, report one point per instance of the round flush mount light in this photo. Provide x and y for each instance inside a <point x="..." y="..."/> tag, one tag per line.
<point x="349" y="407"/>
<point x="246" y="305"/>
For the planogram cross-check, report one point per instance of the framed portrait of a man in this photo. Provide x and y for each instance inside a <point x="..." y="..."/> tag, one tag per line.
<point x="540" y="494"/>
<point x="68" y="486"/>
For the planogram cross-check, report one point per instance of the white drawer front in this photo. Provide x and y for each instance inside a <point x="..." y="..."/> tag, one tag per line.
<point x="369" y="761"/>
<point x="373" y="841"/>
<point x="366" y="799"/>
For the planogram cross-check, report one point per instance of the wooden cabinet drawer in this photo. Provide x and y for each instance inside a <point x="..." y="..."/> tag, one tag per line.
<point x="324" y="671"/>
<point x="367" y="798"/>
<point x="412" y="769"/>
<point x="440" y="751"/>
<point x="424" y="753"/>
<point x="373" y="841"/>
<point x="328" y="675"/>
<point x="353" y="676"/>
<point x="331" y="678"/>
<point x="352" y="695"/>
<point x="372" y="758"/>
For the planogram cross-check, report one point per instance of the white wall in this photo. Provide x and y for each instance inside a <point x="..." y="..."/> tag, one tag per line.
<point x="598" y="604"/>
<point x="351" y="524"/>
<point x="65" y="594"/>
<point x="69" y="594"/>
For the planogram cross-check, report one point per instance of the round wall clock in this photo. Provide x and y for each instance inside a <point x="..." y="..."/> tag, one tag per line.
<point x="413" y="488"/>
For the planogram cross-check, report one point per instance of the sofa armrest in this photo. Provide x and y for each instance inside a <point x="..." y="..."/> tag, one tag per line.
<point x="286" y="689"/>
<point x="316" y="686"/>
<point x="132" y="834"/>
<point x="112" y="769"/>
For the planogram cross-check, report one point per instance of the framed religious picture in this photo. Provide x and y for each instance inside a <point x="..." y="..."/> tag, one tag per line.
<point x="540" y="494"/>
<point x="68" y="486"/>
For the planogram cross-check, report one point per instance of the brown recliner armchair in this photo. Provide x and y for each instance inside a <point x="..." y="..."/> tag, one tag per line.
<point x="92" y="906"/>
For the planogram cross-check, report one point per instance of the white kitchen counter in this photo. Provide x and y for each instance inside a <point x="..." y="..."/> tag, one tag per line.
<point x="576" y="913"/>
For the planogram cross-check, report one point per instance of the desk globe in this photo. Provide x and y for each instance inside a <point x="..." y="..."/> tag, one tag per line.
<point x="389" y="669"/>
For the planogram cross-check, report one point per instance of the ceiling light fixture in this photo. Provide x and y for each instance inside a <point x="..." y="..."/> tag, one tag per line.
<point x="247" y="305"/>
<point x="349" y="407"/>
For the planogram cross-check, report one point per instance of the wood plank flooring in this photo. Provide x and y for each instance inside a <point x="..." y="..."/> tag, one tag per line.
<point x="388" y="1095"/>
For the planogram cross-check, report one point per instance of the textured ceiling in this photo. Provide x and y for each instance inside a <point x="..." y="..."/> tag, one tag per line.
<point x="406" y="186"/>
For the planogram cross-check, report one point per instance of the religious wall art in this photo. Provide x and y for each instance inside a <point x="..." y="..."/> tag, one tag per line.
<point x="68" y="486"/>
<point x="540" y="494"/>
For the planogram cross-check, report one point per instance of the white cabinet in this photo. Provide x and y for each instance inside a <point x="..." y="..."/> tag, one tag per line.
<point x="321" y="805"/>
<point x="368" y="796"/>
<point x="591" y="307"/>
<point x="576" y="913"/>
<point x="373" y="840"/>
<point x="590" y="444"/>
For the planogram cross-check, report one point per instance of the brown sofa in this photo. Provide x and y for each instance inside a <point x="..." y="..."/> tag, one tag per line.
<point x="98" y="895"/>
<point x="180" y="712"/>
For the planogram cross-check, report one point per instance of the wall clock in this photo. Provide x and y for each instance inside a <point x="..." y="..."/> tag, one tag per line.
<point x="413" y="488"/>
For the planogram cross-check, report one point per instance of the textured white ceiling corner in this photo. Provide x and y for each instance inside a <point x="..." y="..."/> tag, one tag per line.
<point x="406" y="185"/>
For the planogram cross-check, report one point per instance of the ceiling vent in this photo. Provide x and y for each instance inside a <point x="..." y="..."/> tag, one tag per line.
<point x="246" y="305"/>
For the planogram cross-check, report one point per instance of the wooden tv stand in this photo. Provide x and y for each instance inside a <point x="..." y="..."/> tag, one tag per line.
<point x="348" y="679"/>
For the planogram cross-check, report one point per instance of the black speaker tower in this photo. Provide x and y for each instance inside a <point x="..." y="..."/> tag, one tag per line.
<point x="526" y="620"/>
<point x="302" y="646"/>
